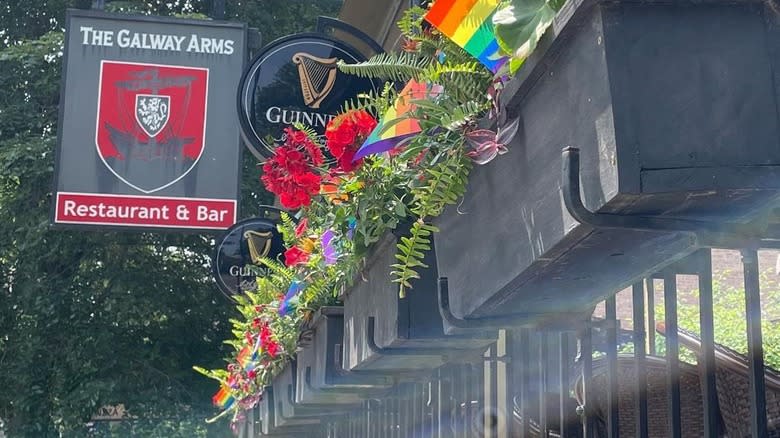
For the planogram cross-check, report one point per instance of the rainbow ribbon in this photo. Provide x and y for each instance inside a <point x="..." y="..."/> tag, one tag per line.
<point x="384" y="137"/>
<point x="469" y="24"/>
<point x="290" y="301"/>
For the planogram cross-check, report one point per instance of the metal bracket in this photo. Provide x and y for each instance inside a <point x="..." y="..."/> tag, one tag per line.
<point x="400" y="351"/>
<point x="357" y="389"/>
<point x="280" y="413"/>
<point x="293" y="403"/>
<point x="516" y="320"/>
<point x="309" y="387"/>
<point x="284" y="417"/>
<point x="709" y="233"/>
<point x="325" y="22"/>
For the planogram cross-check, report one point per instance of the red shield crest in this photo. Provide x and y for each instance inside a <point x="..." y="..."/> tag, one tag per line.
<point x="151" y="122"/>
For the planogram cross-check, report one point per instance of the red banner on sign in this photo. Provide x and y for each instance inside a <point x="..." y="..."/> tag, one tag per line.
<point x="144" y="211"/>
<point x="151" y="122"/>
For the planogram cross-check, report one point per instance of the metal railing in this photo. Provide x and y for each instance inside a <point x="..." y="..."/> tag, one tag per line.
<point x="575" y="383"/>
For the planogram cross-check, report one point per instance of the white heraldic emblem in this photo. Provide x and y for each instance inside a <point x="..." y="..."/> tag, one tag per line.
<point x="151" y="112"/>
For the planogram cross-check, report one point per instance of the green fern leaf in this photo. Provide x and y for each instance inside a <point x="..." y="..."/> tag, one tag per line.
<point x="398" y="67"/>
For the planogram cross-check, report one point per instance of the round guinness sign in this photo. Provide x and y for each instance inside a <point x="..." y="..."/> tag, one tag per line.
<point x="295" y="79"/>
<point x="243" y="244"/>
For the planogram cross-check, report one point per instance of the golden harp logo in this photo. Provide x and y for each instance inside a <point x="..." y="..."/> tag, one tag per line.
<point x="259" y="244"/>
<point x="317" y="77"/>
<point x="246" y="244"/>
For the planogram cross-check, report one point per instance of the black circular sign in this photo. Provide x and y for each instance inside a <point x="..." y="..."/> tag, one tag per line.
<point x="295" y="79"/>
<point x="244" y="244"/>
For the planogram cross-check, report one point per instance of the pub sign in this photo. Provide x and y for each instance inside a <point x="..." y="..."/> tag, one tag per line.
<point x="148" y="134"/>
<point x="237" y="261"/>
<point x="296" y="79"/>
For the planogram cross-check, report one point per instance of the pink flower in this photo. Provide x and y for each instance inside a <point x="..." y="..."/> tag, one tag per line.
<point x="301" y="228"/>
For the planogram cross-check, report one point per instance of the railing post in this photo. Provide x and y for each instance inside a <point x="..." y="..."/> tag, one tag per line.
<point x="649" y="282"/>
<point x="586" y="353"/>
<point x="706" y="323"/>
<point x="563" y="382"/>
<point x="612" y="368"/>
<point x="639" y="358"/>
<point x="543" y="361"/>
<point x="672" y="354"/>
<point x="525" y="385"/>
<point x="491" y="404"/>
<point x="758" y="418"/>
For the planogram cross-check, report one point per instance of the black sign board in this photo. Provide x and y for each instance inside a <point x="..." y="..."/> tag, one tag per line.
<point x="295" y="80"/>
<point x="147" y="135"/>
<point x="244" y="244"/>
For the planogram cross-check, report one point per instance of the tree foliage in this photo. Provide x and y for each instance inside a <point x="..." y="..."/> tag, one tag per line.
<point x="96" y="319"/>
<point x="730" y="326"/>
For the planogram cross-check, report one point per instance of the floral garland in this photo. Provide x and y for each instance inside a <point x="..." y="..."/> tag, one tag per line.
<point x="316" y="259"/>
<point x="346" y="205"/>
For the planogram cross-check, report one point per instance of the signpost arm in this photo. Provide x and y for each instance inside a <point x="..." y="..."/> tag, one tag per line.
<point x="324" y="22"/>
<point x="218" y="9"/>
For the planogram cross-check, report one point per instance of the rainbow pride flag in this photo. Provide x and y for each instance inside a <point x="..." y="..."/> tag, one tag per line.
<point x="247" y="358"/>
<point x="223" y="398"/>
<point x="385" y="137"/>
<point x="469" y="24"/>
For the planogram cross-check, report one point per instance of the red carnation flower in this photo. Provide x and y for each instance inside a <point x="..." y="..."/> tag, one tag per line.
<point x="295" y="256"/>
<point x="295" y="135"/>
<point x="345" y="134"/>
<point x="272" y="348"/>
<point x="292" y="172"/>
<point x="266" y="343"/>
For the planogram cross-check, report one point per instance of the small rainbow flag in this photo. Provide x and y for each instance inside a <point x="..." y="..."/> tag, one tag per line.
<point x="290" y="301"/>
<point x="469" y="24"/>
<point x="223" y="398"/>
<point x="383" y="139"/>
<point x="247" y="358"/>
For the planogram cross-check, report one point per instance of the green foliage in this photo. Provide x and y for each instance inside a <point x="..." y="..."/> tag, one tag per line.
<point x="519" y="24"/>
<point x="729" y="322"/>
<point x="287" y="229"/>
<point x="443" y="116"/>
<point x="374" y="102"/>
<point x="356" y="204"/>
<point x="411" y="22"/>
<point x="463" y="82"/>
<point x="436" y="60"/>
<point x="396" y="67"/>
<point x="445" y="185"/>
<point x="411" y="251"/>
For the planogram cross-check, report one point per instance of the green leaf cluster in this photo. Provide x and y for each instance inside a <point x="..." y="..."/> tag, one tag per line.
<point x="444" y="185"/>
<point x="729" y="321"/>
<point x="520" y="24"/>
<point x="444" y="117"/>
